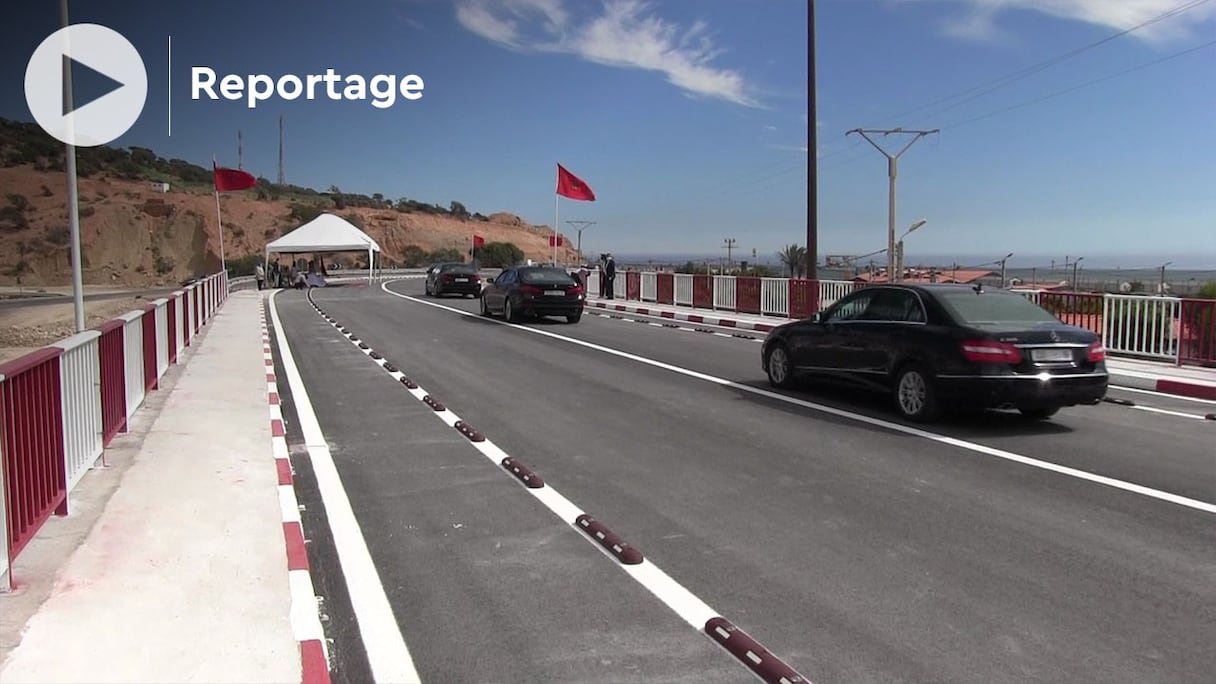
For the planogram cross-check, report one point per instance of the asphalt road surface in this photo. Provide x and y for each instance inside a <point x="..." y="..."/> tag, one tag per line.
<point x="854" y="547"/>
<point x="17" y="303"/>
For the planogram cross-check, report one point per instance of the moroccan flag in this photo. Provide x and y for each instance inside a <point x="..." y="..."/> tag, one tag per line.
<point x="556" y="239"/>
<point x="232" y="179"/>
<point x="479" y="241"/>
<point x="570" y="185"/>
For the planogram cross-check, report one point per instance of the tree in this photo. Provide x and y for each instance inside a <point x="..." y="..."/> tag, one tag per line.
<point x="500" y="255"/>
<point x="413" y="256"/>
<point x="446" y="254"/>
<point x="459" y="211"/>
<point x="335" y="194"/>
<point x="794" y="259"/>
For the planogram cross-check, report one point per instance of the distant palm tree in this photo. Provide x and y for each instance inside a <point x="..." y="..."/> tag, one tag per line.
<point x="794" y="258"/>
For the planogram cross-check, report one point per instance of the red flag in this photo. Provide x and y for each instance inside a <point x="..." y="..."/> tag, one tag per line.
<point x="479" y="241"/>
<point x="558" y="238"/>
<point x="232" y="179"/>
<point x="570" y="185"/>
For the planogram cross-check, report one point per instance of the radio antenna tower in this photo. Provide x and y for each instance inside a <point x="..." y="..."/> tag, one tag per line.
<point x="281" y="179"/>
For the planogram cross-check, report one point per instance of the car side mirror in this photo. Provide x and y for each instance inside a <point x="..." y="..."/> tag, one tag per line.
<point x="490" y="279"/>
<point x="817" y="317"/>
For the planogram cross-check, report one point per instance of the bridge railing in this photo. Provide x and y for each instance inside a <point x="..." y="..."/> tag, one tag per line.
<point x="62" y="405"/>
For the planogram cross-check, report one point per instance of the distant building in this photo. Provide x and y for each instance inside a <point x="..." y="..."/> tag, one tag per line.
<point x="160" y="187"/>
<point x="935" y="275"/>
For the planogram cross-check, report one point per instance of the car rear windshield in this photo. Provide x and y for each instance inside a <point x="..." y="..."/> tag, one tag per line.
<point x="545" y="276"/>
<point x="993" y="307"/>
<point x="458" y="268"/>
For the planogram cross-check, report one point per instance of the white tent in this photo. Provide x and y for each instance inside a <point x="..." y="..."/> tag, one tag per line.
<point x="327" y="233"/>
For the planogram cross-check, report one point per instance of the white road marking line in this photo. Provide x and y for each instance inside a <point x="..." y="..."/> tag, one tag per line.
<point x="877" y="422"/>
<point x="1165" y="395"/>
<point x="675" y="596"/>
<point x="1180" y="414"/>
<point x="387" y="653"/>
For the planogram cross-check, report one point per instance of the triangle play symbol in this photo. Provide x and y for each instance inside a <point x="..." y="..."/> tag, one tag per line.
<point x="93" y="79"/>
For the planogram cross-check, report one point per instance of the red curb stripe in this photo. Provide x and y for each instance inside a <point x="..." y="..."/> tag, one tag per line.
<point x="284" y="466"/>
<point x="726" y="323"/>
<point x="274" y="398"/>
<point x="270" y="363"/>
<point x="644" y="312"/>
<point x="764" y="327"/>
<point x="314" y="668"/>
<point x="270" y="377"/>
<point x="297" y="556"/>
<point x="693" y="318"/>
<point x="1186" y="389"/>
<point x="666" y="314"/>
<point x="276" y="428"/>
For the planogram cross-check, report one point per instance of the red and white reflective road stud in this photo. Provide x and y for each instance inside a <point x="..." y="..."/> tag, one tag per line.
<point x="609" y="540"/>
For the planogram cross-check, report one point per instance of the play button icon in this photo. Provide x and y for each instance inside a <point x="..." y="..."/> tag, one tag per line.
<point x="97" y="57"/>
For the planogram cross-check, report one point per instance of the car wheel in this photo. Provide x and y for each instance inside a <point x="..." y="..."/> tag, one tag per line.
<point x="508" y="311"/>
<point x="485" y="309"/>
<point x="914" y="395"/>
<point x="1040" y="412"/>
<point x="780" y="372"/>
<point x="574" y="318"/>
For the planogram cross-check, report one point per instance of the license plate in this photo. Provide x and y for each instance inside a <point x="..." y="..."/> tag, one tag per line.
<point x="557" y="293"/>
<point x="462" y="280"/>
<point x="1051" y="355"/>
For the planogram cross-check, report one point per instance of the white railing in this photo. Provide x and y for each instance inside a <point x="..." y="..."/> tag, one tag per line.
<point x="179" y="330"/>
<point x="162" y="334"/>
<point x="80" y="392"/>
<point x="775" y="296"/>
<point x="650" y="287"/>
<point x="725" y="292"/>
<point x="619" y="285"/>
<point x="1032" y="295"/>
<point x="133" y="359"/>
<point x="832" y="290"/>
<point x="1146" y="326"/>
<point x="683" y="289"/>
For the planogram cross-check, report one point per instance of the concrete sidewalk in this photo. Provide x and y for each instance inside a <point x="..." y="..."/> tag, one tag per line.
<point x="1158" y="376"/>
<point x="179" y="571"/>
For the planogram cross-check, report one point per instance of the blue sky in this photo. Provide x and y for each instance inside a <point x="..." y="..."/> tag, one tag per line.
<point x="688" y="119"/>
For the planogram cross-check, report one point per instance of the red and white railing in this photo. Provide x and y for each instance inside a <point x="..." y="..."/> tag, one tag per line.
<point x="1163" y="328"/>
<point x="62" y="405"/>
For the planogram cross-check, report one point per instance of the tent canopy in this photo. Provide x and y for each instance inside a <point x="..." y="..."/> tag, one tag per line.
<point x="325" y="233"/>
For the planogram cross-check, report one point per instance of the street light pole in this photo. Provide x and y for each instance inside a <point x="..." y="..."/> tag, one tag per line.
<point x="892" y="172"/>
<point x="1161" y="287"/>
<point x="898" y="273"/>
<point x="580" y="226"/>
<point x="1003" y="269"/>
<point x="73" y="193"/>
<point x="1074" y="273"/>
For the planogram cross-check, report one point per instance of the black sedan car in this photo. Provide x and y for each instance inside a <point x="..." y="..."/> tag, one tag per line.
<point x="533" y="291"/>
<point x="937" y="347"/>
<point x="453" y="278"/>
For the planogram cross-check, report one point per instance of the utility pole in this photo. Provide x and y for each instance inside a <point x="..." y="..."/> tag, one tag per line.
<point x="892" y="171"/>
<point x="239" y="150"/>
<point x="1074" y="273"/>
<point x="1161" y="287"/>
<point x="580" y="226"/>
<point x="729" y="246"/>
<point x="1003" y="269"/>
<point x="812" y="152"/>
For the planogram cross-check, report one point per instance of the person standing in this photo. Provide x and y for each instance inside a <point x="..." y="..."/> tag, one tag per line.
<point x="610" y="276"/>
<point x="259" y="272"/>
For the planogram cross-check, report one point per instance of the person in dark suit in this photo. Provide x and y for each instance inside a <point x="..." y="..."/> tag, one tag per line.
<point x="609" y="276"/>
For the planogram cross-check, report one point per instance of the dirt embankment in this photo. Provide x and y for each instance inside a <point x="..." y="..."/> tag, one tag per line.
<point x="134" y="234"/>
<point x="28" y="328"/>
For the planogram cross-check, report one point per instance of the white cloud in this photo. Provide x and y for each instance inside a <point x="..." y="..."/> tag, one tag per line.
<point x="626" y="35"/>
<point x="978" y="21"/>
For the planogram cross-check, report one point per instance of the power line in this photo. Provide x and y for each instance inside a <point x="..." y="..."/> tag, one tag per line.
<point x="1025" y="72"/>
<point x="1079" y="86"/>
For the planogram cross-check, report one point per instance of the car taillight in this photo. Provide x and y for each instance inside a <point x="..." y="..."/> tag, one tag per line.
<point x="988" y="351"/>
<point x="1096" y="352"/>
<point x="448" y="277"/>
<point x="576" y="290"/>
<point x="531" y="290"/>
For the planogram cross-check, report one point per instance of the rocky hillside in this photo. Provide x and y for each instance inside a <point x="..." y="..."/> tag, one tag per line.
<point x="134" y="233"/>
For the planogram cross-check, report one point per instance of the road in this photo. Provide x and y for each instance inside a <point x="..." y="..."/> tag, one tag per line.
<point x="19" y="303"/>
<point x="854" y="547"/>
